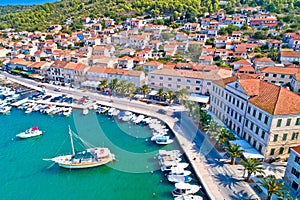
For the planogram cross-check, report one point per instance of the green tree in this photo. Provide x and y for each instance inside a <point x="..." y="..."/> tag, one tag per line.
<point x="223" y="136"/>
<point x="252" y="166"/>
<point x="212" y="128"/>
<point x="234" y="151"/>
<point x="161" y="94"/>
<point x="113" y="84"/>
<point x="272" y="185"/>
<point x="204" y="117"/>
<point x="145" y="90"/>
<point x="182" y="94"/>
<point x="170" y="96"/>
<point x="103" y="84"/>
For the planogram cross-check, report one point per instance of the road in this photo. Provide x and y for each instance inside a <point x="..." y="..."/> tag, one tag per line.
<point x="226" y="182"/>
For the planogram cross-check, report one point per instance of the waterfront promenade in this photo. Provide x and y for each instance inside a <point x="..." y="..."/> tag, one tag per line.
<point x="220" y="180"/>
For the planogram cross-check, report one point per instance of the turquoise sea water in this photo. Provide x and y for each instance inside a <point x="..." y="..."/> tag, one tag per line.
<point x="24" y="2"/>
<point x="24" y="175"/>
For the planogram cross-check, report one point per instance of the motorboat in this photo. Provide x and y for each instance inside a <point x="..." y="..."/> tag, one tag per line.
<point x="185" y="189"/>
<point x="101" y="110"/>
<point x="32" y="132"/>
<point x="154" y="137"/>
<point x="28" y="110"/>
<point x="163" y="140"/>
<point x="126" y="116"/>
<point x="147" y="120"/>
<point x="188" y="197"/>
<point x="168" y="167"/>
<point x="139" y="119"/>
<point x="179" y="179"/>
<point x="5" y="109"/>
<point x="90" y="157"/>
<point x="179" y="171"/>
<point x="67" y="112"/>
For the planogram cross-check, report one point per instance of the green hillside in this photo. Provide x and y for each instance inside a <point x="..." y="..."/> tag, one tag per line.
<point x="39" y="17"/>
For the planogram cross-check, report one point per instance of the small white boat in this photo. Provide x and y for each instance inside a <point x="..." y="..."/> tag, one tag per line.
<point x="163" y="140"/>
<point x="5" y="109"/>
<point x="179" y="171"/>
<point x="126" y="116"/>
<point x="28" y="110"/>
<point x="139" y="119"/>
<point x="168" y="167"/>
<point x="147" y="120"/>
<point x="178" y="179"/>
<point x="154" y="137"/>
<point x="32" y="132"/>
<point x="185" y="189"/>
<point x="188" y="197"/>
<point x="67" y="112"/>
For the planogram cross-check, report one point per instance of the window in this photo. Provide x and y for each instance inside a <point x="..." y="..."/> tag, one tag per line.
<point x="169" y="85"/>
<point x="297" y="121"/>
<point x="279" y="122"/>
<point x="254" y="143"/>
<point x="297" y="159"/>
<point x="284" y="137"/>
<point x="188" y="80"/>
<point x="266" y="119"/>
<point x="197" y="88"/>
<point x="152" y="76"/>
<point x="187" y="87"/>
<point x="208" y="83"/>
<point x="295" y="172"/>
<point x="251" y="126"/>
<point x="263" y="133"/>
<point x="257" y="130"/>
<point x="272" y="152"/>
<point x="281" y="150"/>
<point x="267" y="74"/>
<point x="229" y="98"/>
<point x="249" y="109"/>
<point x="242" y="106"/>
<point x="161" y="78"/>
<point x="233" y="100"/>
<point x="179" y="80"/>
<point x="235" y="115"/>
<point x="198" y="82"/>
<point x="274" y="75"/>
<point x="254" y="113"/>
<point x="178" y="86"/>
<point x="295" y="135"/>
<point x="275" y="138"/>
<point x="282" y="76"/>
<point x="237" y="103"/>
<point x="240" y="118"/>
<point x="288" y="122"/>
<point x="161" y="84"/>
<point x="259" y="116"/>
<point x="246" y="124"/>
<point x="169" y="79"/>
<point x="259" y="148"/>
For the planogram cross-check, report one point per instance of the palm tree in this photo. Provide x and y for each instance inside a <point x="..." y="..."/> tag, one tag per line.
<point x="224" y="135"/>
<point x="272" y="185"/>
<point x="145" y="90"/>
<point x="170" y="96"/>
<point x="182" y="94"/>
<point x="234" y="151"/>
<point x="103" y="84"/>
<point x="212" y="128"/>
<point x="161" y="93"/>
<point x="252" y="166"/>
<point x="113" y="84"/>
<point x="204" y="118"/>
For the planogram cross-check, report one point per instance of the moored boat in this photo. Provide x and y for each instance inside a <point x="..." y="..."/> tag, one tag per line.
<point x="90" y="157"/>
<point x="163" y="140"/>
<point x="32" y="132"/>
<point x="185" y="189"/>
<point x="188" y="197"/>
<point x="178" y="179"/>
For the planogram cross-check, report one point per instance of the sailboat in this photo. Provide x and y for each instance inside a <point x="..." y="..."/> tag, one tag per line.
<point x="91" y="157"/>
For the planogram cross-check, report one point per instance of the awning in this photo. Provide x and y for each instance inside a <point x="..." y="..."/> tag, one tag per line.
<point x="153" y="92"/>
<point x="199" y="98"/>
<point x="249" y="151"/>
<point x="93" y="84"/>
<point x="36" y="76"/>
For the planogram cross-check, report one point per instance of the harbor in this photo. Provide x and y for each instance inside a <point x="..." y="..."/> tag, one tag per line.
<point x="120" y="118"/>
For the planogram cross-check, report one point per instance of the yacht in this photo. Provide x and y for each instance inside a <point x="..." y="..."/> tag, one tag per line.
<point x="188" y="197"/>
<point x="163" y="140"/>
<point x="90" y="157"/>
<point x="185" y="189"/>
<point x="168" y="166"/>
<point x="179" y="171"/>
<point x="32" y="132"/>
<point x="178" y="179"/>
<point x="5" y="109"/>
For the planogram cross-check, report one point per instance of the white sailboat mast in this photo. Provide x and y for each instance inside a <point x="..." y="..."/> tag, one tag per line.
<point x="71" y="139"/>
